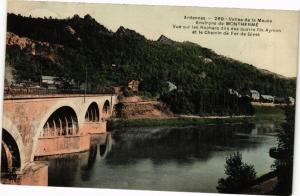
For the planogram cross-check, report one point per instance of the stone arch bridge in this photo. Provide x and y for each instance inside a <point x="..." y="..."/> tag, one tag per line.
<point x="42" y="126"/>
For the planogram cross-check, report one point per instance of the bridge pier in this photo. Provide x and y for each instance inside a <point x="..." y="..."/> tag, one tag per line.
<point x="94" y="127"/>
<point x="56" y="145"/>
<point x="35" y="174"/>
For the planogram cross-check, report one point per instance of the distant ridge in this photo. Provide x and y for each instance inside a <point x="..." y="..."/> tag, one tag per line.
<point x="269" y="72"/>
<point x="87" y="43"/>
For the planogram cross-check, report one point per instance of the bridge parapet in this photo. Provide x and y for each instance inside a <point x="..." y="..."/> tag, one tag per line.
<point x="36" y="92"/>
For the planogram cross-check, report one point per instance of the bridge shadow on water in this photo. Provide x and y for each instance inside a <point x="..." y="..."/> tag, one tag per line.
<point x="63" y="169"/>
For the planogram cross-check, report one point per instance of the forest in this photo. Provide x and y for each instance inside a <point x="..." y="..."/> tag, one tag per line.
<point x="77" y="45"/>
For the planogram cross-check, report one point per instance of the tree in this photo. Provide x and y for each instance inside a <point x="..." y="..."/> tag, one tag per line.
<point x="239" y="175"/>
<point x="283" y="153"/>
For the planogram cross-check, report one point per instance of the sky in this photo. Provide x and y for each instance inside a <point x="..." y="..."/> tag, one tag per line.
<point x="276" y="52"/>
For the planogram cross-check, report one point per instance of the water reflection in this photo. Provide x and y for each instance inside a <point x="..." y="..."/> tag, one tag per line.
<point x="105" y="148"/>
<point x="91" y="158"/>
<point x="64" y="168"/>
<point x="179" y="144"/>
<point x="174" y="159"/>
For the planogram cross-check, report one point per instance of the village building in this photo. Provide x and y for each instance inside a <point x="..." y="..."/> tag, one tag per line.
<point x="234" y="92"/>
<point x="133" y="85"/>
<point x="291" y="100"/>
<point x="254" y="94"/>
<point x="52" y="82"/>
<point x="49" y="82"/>
<point x="267" y="98"/>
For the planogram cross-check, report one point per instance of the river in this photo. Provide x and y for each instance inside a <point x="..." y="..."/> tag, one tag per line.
<point x="164" y="158"/>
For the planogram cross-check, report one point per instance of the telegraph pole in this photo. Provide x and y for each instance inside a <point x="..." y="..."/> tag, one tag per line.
<point x="85" y="86"/>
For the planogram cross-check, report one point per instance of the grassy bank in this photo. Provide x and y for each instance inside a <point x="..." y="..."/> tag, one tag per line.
<point x="266" y="113"/>
<point x="263" y="113"/>
<point x="170" y="122"/>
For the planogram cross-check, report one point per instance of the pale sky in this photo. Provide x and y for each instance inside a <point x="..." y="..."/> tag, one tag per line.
<point x="276" y="52"/>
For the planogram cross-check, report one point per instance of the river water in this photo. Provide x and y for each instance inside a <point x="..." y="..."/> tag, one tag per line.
<point x="164" y="158"/>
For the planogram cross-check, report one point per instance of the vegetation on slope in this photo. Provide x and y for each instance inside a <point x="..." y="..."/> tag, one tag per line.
<point x="202" y="77"/>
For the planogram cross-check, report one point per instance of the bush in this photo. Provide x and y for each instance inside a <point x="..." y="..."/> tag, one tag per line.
<point x="283" y="154"/>
<point x="239" y="175"/>
<point x="127" y="92"/>
<point x="119" y="113"/>
<point x="146" y="95"/>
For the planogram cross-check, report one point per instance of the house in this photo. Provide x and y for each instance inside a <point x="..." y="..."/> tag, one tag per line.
<point x="291" y="100"/>
<point x="133" y="85"/>
<point x="52" y="82"/>
<point x="254" y="95"/>
<point x="49" y="81"/>
<point x="267" y="98"/>
<point x="234" y="92"/>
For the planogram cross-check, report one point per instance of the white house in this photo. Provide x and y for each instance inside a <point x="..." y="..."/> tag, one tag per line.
<point x="267" y="98"/>
<point x="254" y="94"/>
<point x="234" y="92"/>
<point x="291" y="100"/>
<point x="48" y="80"/>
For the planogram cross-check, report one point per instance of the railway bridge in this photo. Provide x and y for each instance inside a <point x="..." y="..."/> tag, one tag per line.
<point x="38" y="126"/>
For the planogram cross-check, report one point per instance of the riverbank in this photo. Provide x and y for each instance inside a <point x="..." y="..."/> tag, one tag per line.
<point x="175" y="121"/>
<point x="263" y="113"/>
<point x="263" y="185"/>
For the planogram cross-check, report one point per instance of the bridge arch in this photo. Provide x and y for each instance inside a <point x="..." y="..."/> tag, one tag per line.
<point x="92" y="113"/>
<point x="62" y="121"/>
<point x="39" y="128"/>
<point x="10" y="154"/>
<point x="13" y="145"/>
<point x="106" y="108"/>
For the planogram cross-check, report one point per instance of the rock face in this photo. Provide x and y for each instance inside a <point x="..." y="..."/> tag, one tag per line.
<point x="13" y="39"/>
<point x="165" y="40"/>
<point x="145" y="109"/>
<point x="32" y="47"/>
<point x="70" y="30"/>
<point x="23" y="42"/>
<point x="207" y="60"/>
<point x="123" y="32"/>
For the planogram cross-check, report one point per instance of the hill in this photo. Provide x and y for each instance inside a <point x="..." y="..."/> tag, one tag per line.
<point x="69" y="46"/>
